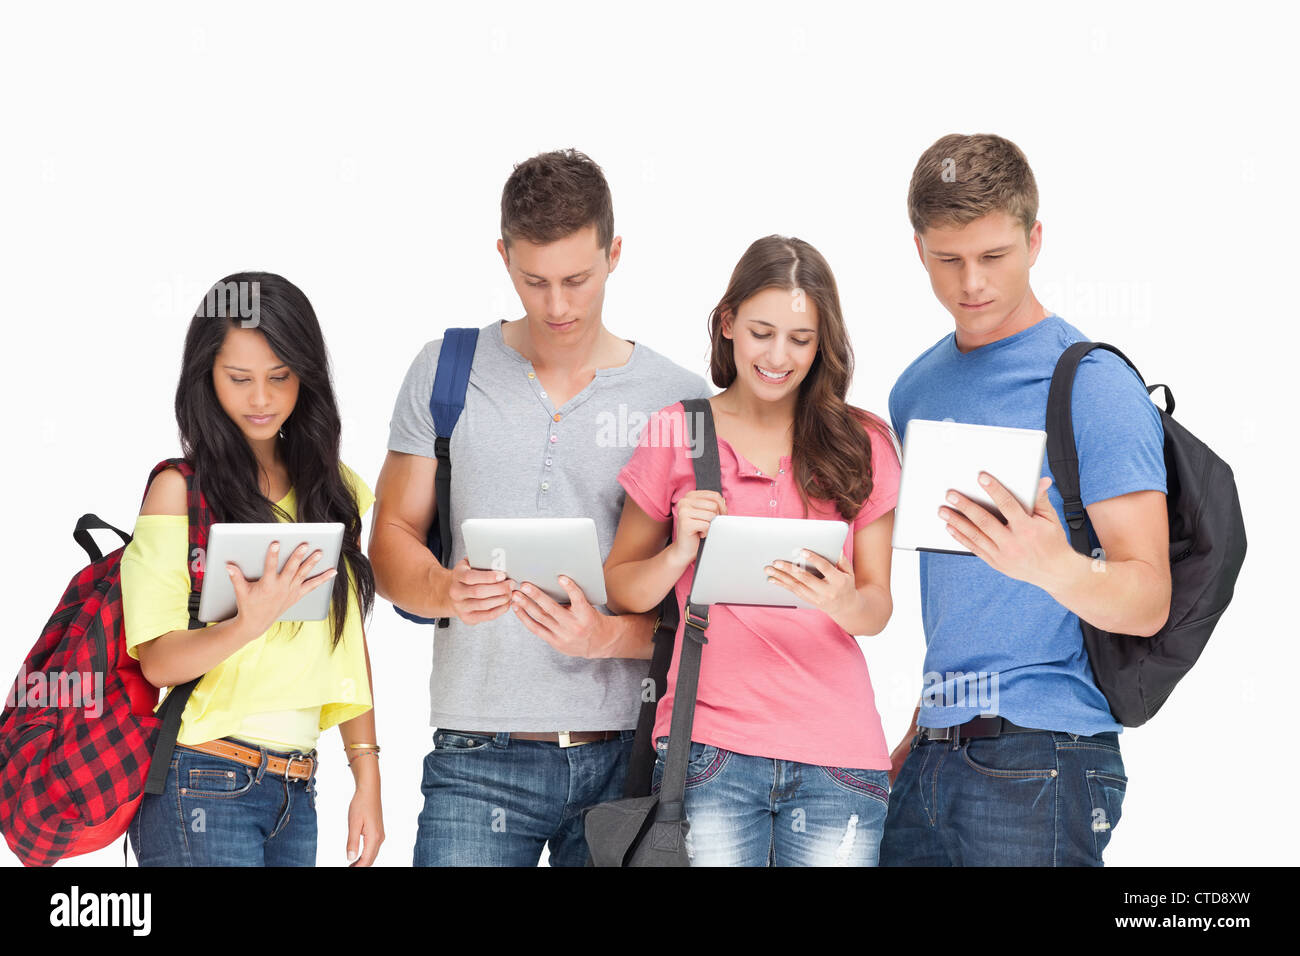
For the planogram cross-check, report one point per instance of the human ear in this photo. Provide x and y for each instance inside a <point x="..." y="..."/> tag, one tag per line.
<point x="1035" y="241"/>
<point x="728" y="323"/>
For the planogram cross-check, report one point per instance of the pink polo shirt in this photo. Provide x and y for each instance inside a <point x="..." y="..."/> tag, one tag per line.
<point x="786" y="683"/>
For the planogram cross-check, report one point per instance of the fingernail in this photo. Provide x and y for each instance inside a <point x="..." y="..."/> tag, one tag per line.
<point x="353" y="855"/>
<point x="984" y="479"/>
<point x="275" y="545"/>
<point x="501" y="576"/>
<point x="952" y="499"/>
<point x="943" y="513"/>
<point x="230" y="570"/>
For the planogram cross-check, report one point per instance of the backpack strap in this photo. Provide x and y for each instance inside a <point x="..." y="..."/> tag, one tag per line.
<point x="1062" y="455"/>
<point x="446" y="402"/>
<point x="81" y="534"/>
<point x="708" y="477"/>
<point x="173" y="706"/>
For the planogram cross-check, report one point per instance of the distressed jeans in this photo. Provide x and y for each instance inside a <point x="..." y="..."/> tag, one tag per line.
<point x="1033" y="799"/>
<point x="758" y="811"/>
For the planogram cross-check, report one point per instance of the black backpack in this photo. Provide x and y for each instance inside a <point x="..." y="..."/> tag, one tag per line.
<point x="1207" y="545"/>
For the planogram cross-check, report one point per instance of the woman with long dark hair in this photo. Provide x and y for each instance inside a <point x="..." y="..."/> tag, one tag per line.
<point x="260" y="428"/>
<point x="788" y="760"/>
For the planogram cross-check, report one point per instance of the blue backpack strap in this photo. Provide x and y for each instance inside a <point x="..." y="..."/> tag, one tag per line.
<point x="446" y="402"/>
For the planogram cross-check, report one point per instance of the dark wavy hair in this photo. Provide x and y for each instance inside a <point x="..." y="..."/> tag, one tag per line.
<point x="225" y="467"/>
<point x="831" y="453"/>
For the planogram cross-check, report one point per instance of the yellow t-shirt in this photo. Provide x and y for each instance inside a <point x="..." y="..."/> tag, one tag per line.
<point x="279" y="690"/>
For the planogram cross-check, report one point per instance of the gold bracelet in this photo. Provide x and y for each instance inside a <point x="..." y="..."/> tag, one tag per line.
<point x="361" y="747"/>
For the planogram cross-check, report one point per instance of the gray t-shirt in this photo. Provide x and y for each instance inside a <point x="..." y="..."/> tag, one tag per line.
<point x="514" y="454"/>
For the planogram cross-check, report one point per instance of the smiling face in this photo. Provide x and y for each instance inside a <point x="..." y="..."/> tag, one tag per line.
<point x="980" y="272"/>
<point x="774" y="344"/>
<point x="254" y="386"/>
<point x="562" y="283"/>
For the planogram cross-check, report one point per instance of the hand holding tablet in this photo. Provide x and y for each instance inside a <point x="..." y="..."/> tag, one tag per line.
<point x="269" y="571"/>
<point x="537" y="551"/>
<point x="941" y="457"/>
<point x="733" y="569"/>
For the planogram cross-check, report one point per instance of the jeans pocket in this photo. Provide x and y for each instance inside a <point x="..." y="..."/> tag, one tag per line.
<point x="451" y="741"/>
<point x="1106" y="796"/>
<point x="870" y="783"/>
<point x="1012" y="756"/>
<point x="217" y="782"/>
<point x="705" y="762"/>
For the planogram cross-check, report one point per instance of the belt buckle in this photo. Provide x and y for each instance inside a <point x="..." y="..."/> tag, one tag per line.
<point x="564" y="741"/>
<point x="299" y="755"/>
<point x="694" y="618"/>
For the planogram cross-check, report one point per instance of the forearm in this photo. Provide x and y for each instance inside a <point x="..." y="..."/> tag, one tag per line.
<point x="407" y="573"/>
<point x="1123" y="597"/>
<point x="870" y="612"/>
<point x="636" y="587"/>
<point x="361" y="730"/>
<point x="364" y="764"/>
<point x="182" y="655"/>
<point x="630" y="635"/>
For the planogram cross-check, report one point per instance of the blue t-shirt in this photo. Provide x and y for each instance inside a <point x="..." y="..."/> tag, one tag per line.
<point x="979" y="622"/>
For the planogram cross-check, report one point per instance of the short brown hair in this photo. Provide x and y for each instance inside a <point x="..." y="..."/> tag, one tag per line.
<point x="553" y="195"/>
<point x="961" y="178"/>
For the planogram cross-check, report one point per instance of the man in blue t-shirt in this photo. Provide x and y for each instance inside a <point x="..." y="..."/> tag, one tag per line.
<point x="1014" y="759"/>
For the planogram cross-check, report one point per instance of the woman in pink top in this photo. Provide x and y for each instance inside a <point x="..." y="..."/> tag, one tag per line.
<point x="789" y="764"/>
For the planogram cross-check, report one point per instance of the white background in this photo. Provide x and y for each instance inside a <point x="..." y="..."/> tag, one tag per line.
<point x="151" y="149"/>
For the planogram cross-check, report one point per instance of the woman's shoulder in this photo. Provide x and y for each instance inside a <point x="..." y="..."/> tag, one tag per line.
<point x="166" y="495"/>
<point x="357" y="485"/>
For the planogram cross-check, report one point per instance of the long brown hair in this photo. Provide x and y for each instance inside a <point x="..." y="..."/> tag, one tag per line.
<point x="831" y="453"/>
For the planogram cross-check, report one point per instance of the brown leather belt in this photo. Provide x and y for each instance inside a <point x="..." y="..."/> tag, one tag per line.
<point x="565" y="738"/>
<point x="296" y="766"/>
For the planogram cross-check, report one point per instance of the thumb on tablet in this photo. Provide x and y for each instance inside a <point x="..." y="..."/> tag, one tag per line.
<point x="576" y="596"/>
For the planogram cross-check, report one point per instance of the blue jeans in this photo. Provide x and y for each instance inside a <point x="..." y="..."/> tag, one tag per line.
<point x="216" y="812"/>
<point x="1034" y="799"/>
<point x="490" y="800"/>
<point x="757" y="811"/>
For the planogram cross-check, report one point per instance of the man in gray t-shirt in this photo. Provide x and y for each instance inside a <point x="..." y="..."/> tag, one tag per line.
<point x="553" y="411"/>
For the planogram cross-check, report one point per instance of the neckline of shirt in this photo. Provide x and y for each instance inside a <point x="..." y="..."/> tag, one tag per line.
<point x="745" y="467"/>
<point x="1010" y="340"/>
<point x="499" y="337"/>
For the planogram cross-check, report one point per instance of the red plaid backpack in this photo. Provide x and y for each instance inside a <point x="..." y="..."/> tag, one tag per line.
<point x="79" y="729"/>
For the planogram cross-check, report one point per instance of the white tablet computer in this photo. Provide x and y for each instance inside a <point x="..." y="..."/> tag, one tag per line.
<point x="737" y="549"/>
<point x="943" y="456"/>
<point x="244" y="545"/>
<point x="538" y="551"/>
